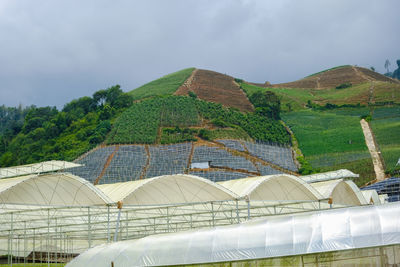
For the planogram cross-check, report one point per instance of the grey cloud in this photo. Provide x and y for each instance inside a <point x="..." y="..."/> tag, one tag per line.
<point x="55" y="51"/>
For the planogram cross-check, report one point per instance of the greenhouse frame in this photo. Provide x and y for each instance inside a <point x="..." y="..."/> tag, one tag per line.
<point x="54" y="216"/>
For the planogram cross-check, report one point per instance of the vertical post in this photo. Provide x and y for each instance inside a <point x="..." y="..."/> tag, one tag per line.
<point x="33" y="247"/>
<point x="167" y="220"/>
<point x="24" y="243"/>
<point x="108" y="223"/>
<point x="119" y="206"/>
<point x="48" y="237"/>
<point x="89" y="229"/>
<point x="237" y="211"/>
<point x="212" y="214"/>
<point x="248" y="208"/>
<point x="12" y="239"/>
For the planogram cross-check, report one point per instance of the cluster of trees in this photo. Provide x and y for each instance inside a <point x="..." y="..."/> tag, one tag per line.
<point x="140" y="123"/>
<point x="394" y="74"/>
<point x="267" y="104"/>
<point x="45" y="133"/>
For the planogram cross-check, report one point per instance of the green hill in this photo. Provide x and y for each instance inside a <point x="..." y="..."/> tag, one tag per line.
<point x="166" y="85"/>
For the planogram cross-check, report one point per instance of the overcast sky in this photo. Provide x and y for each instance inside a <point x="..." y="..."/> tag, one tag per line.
<point x="54" y="51"/>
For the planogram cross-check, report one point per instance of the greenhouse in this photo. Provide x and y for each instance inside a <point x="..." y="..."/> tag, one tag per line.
<point x="55" y="216"/>
<point x="348" y="236"/>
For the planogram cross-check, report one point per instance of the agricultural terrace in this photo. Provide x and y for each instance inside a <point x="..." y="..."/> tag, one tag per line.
<point x="386" y="127"/>
<point x="293" y="99"/>
<point x="142" y="122"/>
<point x="332" y="141"/>
<point x="166" y="85"/>
<point x="218" y="88"/>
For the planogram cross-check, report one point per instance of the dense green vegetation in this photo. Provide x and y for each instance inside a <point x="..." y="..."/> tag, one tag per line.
<point x="49" y="134"/>
<point x="166" y="85"/>
<point x="386" y="127"/>
<point x="331" y="140"/>
<point x="294" y="99"/>
<point x="178" y="135"/>
<point x="140" y="123"/>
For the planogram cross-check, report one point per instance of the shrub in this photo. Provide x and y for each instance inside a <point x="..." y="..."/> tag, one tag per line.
<point x="344" y="85"/>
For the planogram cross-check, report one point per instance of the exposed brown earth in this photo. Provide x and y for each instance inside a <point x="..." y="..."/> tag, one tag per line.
<point x="335" y="77"/>
<point x="216" y="87"/>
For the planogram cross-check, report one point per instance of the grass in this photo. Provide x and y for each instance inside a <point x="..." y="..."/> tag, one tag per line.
<point x="332" y="140"/>
<point x="386" y="127"/>
<point x="337" y="67"/>
<point x="229" y="133"/>
<point x="324" y="133"/>
<point x="297" y="98"/>
<point x="166" y="85"/>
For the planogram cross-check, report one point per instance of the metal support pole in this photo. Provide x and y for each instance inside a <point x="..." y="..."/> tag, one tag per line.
<point x="118" y="220"/>
<point x="48" y="237"/>
<point x="248" y="208"/>
<point x="108" y="224"/>
<point x="89" y="229"/>
<point x="212" y="214"/>
<point x="12" y="239"/>
<point x="237" y="212"/>
<point x="24" y="243"/>
<point x="167" y="220"/>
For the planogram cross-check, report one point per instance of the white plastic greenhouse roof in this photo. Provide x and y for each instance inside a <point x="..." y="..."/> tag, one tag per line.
<point x="42" y="167"/>
<point x="341" y="192"/>
<point x="272" y="187"/>
<point x="51" y="189"/>
<point x="297" y="234"/>
<point x="325" y="176"/>
<point x="371" y="196"/>
<point x="167" y="189"/>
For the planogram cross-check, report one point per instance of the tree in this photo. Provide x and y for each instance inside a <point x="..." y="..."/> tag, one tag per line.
<point x="387" y="64"/>
<point x="372" y="68"/>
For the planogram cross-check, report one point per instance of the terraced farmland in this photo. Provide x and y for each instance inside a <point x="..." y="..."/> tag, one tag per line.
<point x="332" y="141"/>
<point x="235" y="159"/>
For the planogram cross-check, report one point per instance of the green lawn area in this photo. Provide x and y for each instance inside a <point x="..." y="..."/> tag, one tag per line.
<point x="166" y="85"/>
<point x="331" y="141"/>
<point x="386" y="127"/>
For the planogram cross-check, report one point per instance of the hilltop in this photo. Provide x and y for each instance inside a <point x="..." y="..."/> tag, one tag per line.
<point x="336" y="76"/>
<point x="343" y="85"/>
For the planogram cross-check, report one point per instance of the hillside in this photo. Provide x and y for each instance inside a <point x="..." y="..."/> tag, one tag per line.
<point x="336" y="76"/>
<point x="345" y="85"/>
<point x="216" y="87"/>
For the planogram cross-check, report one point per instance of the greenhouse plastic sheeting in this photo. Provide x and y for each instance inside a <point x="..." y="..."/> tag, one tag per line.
<point x="297" y="234"/>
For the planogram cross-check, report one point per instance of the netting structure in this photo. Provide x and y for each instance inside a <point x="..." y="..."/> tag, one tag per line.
<point x="389" y="187"/>
<point x="225" y="159"/>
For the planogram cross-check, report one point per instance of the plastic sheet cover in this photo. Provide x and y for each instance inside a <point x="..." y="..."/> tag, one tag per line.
<point x="296" y="234"/>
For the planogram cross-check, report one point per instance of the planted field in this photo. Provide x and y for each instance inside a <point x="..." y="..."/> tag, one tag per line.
<point x="166" y="85"/>
<point x="323" y="132"/>
<point x="293" y="99"/>
<point x="332" y="141"/>
<point x="142" y="121"/>
<point x="218" y="88"/>
<point x="386" y="127"/>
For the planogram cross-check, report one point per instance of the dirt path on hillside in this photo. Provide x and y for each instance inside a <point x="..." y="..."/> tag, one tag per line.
<point x="373" y="150"/>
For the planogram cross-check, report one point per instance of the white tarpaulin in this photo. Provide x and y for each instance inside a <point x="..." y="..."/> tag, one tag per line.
<point x="296" y="234"/>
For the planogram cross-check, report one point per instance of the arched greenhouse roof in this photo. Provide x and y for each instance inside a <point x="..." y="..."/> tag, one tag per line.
<point x="272" y="187"/>
<point x="167" y="189"/>
<point x="51" y="189"/>
<point x="341" y="192"/>
<point x="277" y="236"/>
<point x="371" y="196"/>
